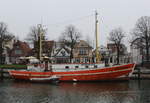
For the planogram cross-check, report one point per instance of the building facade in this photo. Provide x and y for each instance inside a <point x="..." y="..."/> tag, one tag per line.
<point x="124" y="56"/>
<point x="20" y="49"/>
<point x="138" y="51"/>
<point x="82" y="52"/>
<point x="60" y="53"/>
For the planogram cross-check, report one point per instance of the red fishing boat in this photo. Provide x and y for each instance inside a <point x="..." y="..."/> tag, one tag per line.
<point x="75" y="72"/>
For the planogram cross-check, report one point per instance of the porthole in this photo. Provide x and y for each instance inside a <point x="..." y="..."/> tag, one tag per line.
<point x="66" y="67"/>
<point x="86" y="66"/>
<point x="76" y="66"/>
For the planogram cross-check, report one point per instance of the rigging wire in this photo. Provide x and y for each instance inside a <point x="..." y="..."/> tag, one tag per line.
<point x="104" y="24"/>
<point x="71" y="21"/>
<point x="59" y="24"/>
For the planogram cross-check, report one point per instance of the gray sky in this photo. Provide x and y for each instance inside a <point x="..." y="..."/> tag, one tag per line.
<point x="20" y="15"/>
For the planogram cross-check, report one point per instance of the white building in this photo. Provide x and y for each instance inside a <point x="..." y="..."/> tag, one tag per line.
<point x="136" y="56"/>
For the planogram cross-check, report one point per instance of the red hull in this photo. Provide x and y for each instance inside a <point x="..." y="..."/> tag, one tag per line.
<point x="107" y="73"/>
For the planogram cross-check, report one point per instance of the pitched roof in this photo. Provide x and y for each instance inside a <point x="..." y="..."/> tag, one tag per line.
<point x="66" y="49"/>
<point x="82" y="43"/>
<point x="49" y="44"/>
<point x="23" y="46"/>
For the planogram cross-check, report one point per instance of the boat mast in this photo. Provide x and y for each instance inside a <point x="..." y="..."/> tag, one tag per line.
<point x="96" y="36"/>
<point x="40" y="41"/>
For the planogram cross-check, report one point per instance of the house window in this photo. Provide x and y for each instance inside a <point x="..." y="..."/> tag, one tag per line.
<point x="63" y="53"/>
<point x="86" y="60"/>
<point x="77" y="60"/>
<point x="18" y="52"/>
<point x="82" y="52"/>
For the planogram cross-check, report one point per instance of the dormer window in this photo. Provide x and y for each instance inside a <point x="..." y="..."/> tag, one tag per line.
<point x="63" y="53"/>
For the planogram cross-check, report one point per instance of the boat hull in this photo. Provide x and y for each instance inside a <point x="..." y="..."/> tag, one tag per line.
<point x="111" y="73"/>
<point x="52" y="78"/>
<point x="27" y="75"/>
<point x="108" y="73"/>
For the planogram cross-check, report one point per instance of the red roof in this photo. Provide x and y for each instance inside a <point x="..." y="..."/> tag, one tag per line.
<point x="19" y="45"/>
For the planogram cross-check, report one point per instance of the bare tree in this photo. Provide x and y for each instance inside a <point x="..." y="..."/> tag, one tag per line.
<point x="89" y="41"/>
<point x="142" y="32"/>
<point x="5" y="37"/>
<point x="69" y="37"/>
<point x="34" y="36"/>
<point x="116" y="36"/>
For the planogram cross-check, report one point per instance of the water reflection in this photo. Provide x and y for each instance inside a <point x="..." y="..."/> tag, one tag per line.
<point x="102" y="92"/>
<point x="97" y="92"/>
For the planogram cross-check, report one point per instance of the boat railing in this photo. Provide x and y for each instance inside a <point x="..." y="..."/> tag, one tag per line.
<point x="37" y="68"/>
<point x="72" y="69"/>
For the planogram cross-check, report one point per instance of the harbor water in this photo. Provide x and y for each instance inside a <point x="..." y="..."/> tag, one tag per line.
<point x="133" y="91"/>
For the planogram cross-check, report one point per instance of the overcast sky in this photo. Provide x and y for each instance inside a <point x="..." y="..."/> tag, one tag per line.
<point x="20" y="15"/>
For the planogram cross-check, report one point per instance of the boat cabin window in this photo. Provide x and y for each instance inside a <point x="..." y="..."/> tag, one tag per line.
<point x="95" y="66"/>
<point x="86" y="66"/>
<point x="67" y="67"/>
<point x="76" y="66"/>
